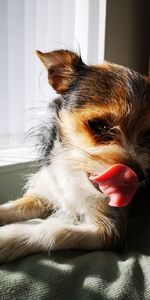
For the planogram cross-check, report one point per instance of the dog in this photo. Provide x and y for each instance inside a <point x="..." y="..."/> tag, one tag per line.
<point x="95" y="157"/>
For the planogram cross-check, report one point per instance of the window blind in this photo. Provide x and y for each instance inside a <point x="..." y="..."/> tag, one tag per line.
<point x="27" y="25"/>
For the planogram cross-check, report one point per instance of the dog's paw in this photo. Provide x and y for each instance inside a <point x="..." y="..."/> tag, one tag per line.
<point x="6" y="214"/>
<point x="13" y="242"/>
<point x="2" y="215"/>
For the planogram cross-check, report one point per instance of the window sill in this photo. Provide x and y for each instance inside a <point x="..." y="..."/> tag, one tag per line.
<point x="16" y="158"/>
<point x="15" y="166"/>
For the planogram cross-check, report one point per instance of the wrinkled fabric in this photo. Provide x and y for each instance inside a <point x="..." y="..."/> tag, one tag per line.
<point x="79" y="275"/>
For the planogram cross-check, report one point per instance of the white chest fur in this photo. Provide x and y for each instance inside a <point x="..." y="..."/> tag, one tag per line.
<point x="69" y="190"/>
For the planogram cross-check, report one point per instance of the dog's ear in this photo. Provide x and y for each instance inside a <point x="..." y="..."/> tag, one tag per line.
<point x="63" y="67"/>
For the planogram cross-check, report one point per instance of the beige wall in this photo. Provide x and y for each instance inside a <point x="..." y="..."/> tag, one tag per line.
<point x="128" y="33"/>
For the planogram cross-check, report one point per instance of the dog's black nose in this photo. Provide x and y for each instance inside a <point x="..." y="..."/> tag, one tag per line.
<point x="142" y="176"/>
<point x="148" y="177"/>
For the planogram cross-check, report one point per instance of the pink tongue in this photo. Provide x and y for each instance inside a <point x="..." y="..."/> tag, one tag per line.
<point x="119" y="182"/>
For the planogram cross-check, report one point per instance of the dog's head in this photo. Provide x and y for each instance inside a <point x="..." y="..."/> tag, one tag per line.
<point x="103" y="113"/>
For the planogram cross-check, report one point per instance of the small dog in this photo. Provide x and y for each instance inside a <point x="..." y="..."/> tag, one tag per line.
<point x="95" y="157"/>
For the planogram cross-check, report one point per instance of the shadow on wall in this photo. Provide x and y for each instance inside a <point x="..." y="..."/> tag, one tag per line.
<point x="127" y="33"/>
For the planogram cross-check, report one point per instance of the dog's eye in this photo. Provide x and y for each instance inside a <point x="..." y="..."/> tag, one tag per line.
<point x="146" y="139"/>
<point x="99" y="128"/>
<point x="146" y="136"/>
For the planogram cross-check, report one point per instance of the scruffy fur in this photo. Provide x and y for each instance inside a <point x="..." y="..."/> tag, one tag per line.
<point x="100" y="118"/>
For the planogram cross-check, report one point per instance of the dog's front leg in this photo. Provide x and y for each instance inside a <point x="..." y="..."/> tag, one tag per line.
<point x="18" y="240"/>
<point x="25" y="208"/>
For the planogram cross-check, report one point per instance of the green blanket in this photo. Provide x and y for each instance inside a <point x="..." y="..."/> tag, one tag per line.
<point x="76" y="275"/>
